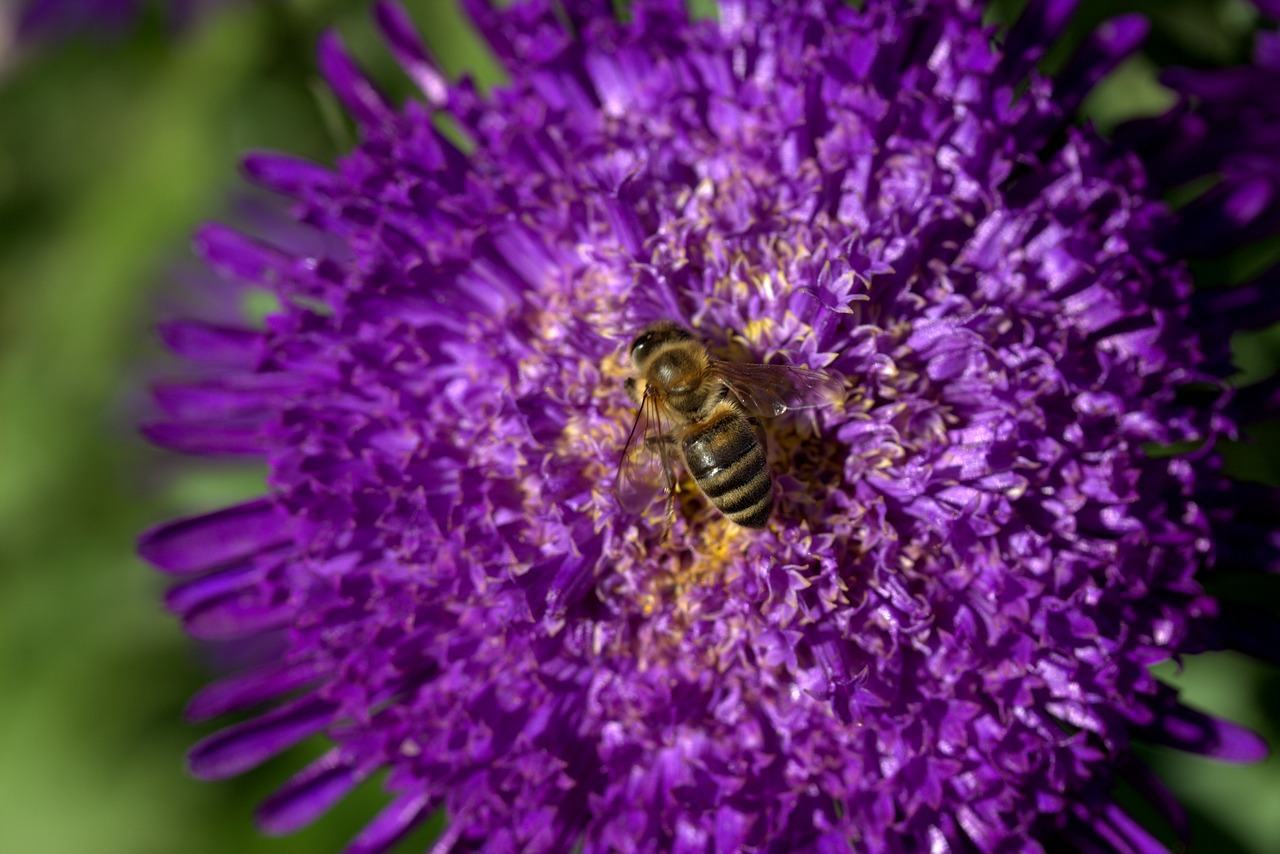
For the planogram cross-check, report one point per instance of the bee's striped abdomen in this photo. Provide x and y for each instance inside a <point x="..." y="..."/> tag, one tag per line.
<point x="726" y="459"/>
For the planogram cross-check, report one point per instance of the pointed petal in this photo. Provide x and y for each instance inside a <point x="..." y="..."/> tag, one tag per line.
<point x="308" y="795"/>
<point x="241" y="257"/>
<point x="358" y="95"/>
<point x="209" y="344"/>
<point x="241" y="690"/>
<point x="1195" y="732"/>
<point x="247" y="745"/>
<point x="226" y="397"/>
<point x="1126" y="835"/>
<point x="209" y="440"/>
<point x="242" y="614"/>
<point x="289" y="176"/>
<point x="192" y="595"/>
<point x="392" y="824"/>
<point x="198" y="543"/>
<point x="402" y="36"/>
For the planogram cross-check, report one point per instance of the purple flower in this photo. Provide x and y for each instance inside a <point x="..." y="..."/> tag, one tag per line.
<point x="942" y="639"/>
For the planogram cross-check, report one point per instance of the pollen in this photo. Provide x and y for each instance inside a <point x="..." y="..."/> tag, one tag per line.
<point x="611" y="368"/>
<point x="713" y="555"/>
<point x="757" y="329"/>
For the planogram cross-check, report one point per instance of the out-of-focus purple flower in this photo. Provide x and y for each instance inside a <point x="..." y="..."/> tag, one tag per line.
<point x="941" y="641"/>
<point x="42" y="20"/>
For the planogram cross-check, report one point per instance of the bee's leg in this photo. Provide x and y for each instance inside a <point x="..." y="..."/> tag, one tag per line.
<point x="630" y="386"/>
<point x="669" y="518"/>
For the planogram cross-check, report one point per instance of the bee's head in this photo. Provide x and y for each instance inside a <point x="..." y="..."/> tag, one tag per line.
<point x="651" y="339"/>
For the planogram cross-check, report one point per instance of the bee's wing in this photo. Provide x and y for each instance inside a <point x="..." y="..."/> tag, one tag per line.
<point x="647" y="464"/>
<point x="769" y="390"/>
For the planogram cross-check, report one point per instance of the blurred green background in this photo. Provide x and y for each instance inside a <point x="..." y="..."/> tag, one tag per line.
<point x="111" y="151"/>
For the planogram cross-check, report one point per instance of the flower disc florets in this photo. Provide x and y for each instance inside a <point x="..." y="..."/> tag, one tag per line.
<point x="943" y="635"/>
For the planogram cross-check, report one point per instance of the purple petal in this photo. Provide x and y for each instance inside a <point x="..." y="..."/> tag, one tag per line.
<point x="308" y="795"/>
<point x="1124" y="834"/>
<point x="51" y="19"/>
<point x="582" y="13"/>
<point x="242" y="257"/>
<point x="402" y="37"/>
<point x="392" y="824"/>
<point x="290" y="176"/>
<point x="222" y="346"/>
<point x="490" y="22"/>
<point x="192" y="595"/>
<point x="1195" y="732"/>
<point x="247" y="745"/>
<point x="213" y="440"/>
<point x="198" y="543"/>
<point x="1042" y="23"/>
<point x="241" y="690"/>
<point x="1107" y="46"/>
<point x="358" y="95"/>
<point x="1230" y="215"/>
<point x="241" y="614"/>
<point x="227" y="397"/>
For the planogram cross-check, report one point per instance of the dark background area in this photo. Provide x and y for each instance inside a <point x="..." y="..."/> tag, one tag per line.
<point x="112" y="149"/>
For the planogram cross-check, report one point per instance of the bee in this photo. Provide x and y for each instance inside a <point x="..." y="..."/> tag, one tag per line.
<point x="704" y="412"/>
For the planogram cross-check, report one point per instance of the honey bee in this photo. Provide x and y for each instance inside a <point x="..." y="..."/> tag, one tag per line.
<point x="706" y="413"/>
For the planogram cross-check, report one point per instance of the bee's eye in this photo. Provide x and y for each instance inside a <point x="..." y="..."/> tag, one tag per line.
<point x="638" y="346"/>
